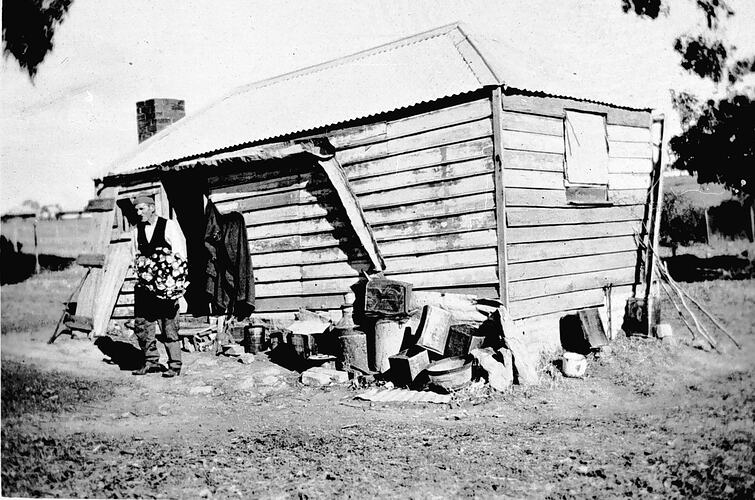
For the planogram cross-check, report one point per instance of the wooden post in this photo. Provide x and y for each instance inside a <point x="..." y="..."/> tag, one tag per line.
<point x="707" y="227"/>
<point x="752" y="220"/>
<point x="36" y="248"/>
<point x="500" y="199"/>
<point x="655" y="224"/>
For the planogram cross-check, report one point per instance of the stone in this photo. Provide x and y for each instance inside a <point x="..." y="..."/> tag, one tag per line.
<point x="201" y="389"/>
<point x="233" y="350"/>
<point x="269" y="380"/>
<point x="313" y="377"/>
<point x="246" y="358"/>
<point x="495" y="370"/>
<point x="513" y="338"/>
<point x="663" y="330"/>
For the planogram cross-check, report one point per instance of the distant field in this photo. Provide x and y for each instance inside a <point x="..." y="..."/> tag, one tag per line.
<point x="701" y="195"/>
<point x="61" y="238"/>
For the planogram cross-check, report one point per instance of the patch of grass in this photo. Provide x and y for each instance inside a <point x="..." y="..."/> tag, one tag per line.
<point x="37" y="303"/>
<point x="26" y="390"/>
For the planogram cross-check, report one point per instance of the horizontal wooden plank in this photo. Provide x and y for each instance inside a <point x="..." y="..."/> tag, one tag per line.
<point x="629" y="150"/>
<point x="100" y="205"/>
<point x="542" y="287"/>
<point x="628" y="134"/>
<point x="444" y="243"/>
<point x="291" y="213"/>
<point x="440" y="261"/>
<point x="476" y="276"/>
<point x="417" y="194"/>
<point x="304" y="288"/>
<point x="571" y="231"/>
<point x="528" y="141"/>
<point x="318" y="225"/>
<point x="440" y="118"/>
<point x="298" y="241"/>
<point x="422" y="176"/>
<point x="519" y="271"/>
<point x="241" y="202"/>
<point x="630" y="166"/>
<point x="456" y="133"/>
<point x="123" y="312"/>
<point x="341" y="269"/>
<point x="537" y="179"/>
<point x="587" y="195"/>
<point x="516" y="197"/>
<point x="435" y="208"/>
<point x="91" y="260"/>
<point x="563" y="302"/>
<point x="532" y="160"/>
<point x="314" y="303"/>
<point x="304" y="257"/>
<point x="281" y="184"/>
<point x="528" y="252"/>
<point x="525" y="122"/>
<point x="555" y="107"/>
<point x="628" y="181"/>
<point x="439" y="225"/>
<point x="575" y="215"/>
<point x="478" y="148"/>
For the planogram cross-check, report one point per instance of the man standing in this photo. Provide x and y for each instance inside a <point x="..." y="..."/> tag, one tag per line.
<point x="151" y="233"/>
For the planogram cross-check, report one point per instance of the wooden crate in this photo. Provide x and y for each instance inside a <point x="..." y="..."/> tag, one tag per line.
<point x="408" y="364"/>
<point x="387" y="297"/>
<point x="462" y="339"/>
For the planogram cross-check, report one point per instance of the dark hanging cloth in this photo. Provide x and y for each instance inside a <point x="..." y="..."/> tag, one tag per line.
<point x="230" y="277"/>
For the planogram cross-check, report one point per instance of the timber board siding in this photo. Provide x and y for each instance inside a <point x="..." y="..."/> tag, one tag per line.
<point x="425" y="184"/>
<point x="561" y="255"/>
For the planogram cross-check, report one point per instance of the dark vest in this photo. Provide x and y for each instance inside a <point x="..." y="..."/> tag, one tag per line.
<point x="158" y="240"/>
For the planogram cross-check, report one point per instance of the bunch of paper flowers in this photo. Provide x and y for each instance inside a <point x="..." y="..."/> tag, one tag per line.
<point x="164" y="273"/>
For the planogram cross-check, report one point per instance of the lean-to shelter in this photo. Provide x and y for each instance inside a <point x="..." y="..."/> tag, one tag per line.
<point x="448" y="161"/>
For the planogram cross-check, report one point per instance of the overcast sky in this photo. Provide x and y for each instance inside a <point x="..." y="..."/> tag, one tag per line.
<point x="79" y="115"/>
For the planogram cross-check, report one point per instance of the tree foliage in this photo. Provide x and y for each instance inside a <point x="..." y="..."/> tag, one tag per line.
<point x="29" y="30"/>
<point x="718" y="138"/>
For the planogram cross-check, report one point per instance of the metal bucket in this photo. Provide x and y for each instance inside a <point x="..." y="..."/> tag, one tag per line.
<point x="389" y="335"/>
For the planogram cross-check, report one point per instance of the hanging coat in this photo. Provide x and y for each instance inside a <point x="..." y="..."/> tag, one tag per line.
<point x="230" y="277"/>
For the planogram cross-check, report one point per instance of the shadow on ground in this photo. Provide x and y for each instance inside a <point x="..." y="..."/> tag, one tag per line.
<point x="692" y="268"/>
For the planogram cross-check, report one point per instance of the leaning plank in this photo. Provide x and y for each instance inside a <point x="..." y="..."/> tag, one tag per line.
<point x="577" y="215"/>
<point x="513" y="337"/>
<point x="100" y="205"/>
<point x="541" y="287"/>
<point x="529" y="252"/>
<point x="353" y="209"/>
<point x="117" y="263"/>
<point x="91" y="260"/>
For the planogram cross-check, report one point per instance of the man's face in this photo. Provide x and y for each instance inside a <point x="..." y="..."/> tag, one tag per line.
<point x="145" y="211"/>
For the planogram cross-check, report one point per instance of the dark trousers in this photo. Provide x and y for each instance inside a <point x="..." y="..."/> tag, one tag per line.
<point x="148" y="311"/>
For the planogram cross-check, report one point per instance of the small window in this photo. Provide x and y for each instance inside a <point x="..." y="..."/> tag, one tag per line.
<point x="586" y="148"/>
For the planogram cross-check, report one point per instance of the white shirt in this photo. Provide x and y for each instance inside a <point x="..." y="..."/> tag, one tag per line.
<point x="173" y="235"/>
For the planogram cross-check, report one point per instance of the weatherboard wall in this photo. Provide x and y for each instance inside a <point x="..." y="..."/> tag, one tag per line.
<point x="561" y="256"/>
<point x="425" y="184"/>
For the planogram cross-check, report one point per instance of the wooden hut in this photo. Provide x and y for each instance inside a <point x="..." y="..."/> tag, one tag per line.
<point x="447" y="161"/>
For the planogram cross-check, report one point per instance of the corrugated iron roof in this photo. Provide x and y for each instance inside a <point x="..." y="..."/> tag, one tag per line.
<point x="426" y="67"/>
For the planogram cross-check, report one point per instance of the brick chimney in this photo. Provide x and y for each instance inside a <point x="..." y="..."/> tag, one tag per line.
<point x="153" y="115"/>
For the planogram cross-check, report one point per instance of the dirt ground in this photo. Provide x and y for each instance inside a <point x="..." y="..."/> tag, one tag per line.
<point x="650" y="420"/>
